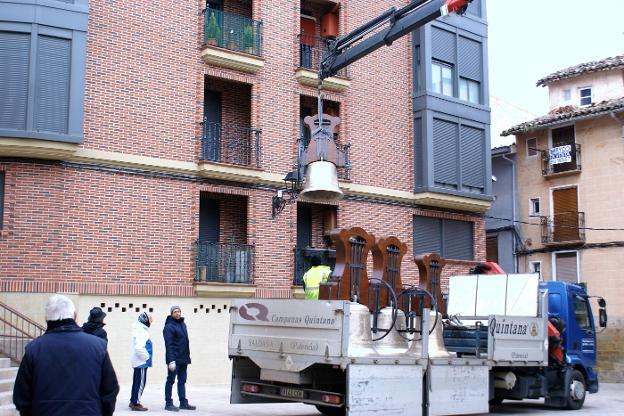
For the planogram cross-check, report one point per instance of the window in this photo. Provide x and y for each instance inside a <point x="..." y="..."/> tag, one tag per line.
<point x="585" y="96"/>
<point x="566" y="95"/>
<point x="1" y="197"/>
<point x="534" y="207"/>
<point x="566" y="269"/>
<point x="532" y="147"/>
<point x="449" y="238"/>
<point x="469" y="90"/>
<point x="581" y="313"/>
<point x="536" y="267"/>
<point x="442" y="78"/>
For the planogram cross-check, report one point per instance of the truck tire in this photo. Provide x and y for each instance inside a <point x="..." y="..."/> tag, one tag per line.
<point x="578" y="391"/>
<point x="331" y="411"/>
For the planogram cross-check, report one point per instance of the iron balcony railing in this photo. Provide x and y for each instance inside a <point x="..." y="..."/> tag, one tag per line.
<point x="554" y="160"/>
<point x="16" y="330"/>
<point x="225" y="263"/>
<point x="312" y="51"/>
<point x="233" y="32"/>
<point x="303" y="257"/>
<point x="229" y="143"/>
<point x="565" y="227"/>
<point x="344" y="173"/>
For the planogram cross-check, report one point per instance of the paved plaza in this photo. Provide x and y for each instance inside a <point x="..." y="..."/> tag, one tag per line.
<point x="214" y="400"/>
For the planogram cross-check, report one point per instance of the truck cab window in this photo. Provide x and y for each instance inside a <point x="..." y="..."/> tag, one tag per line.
<point x="581" y="313"/>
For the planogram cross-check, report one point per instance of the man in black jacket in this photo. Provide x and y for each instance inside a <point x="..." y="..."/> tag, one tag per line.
<point x="178" y="356"/>
<point x="65" y="371"/>
<point x="95" y="324"/>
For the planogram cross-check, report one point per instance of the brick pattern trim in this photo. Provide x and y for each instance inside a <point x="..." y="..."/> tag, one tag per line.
<point x="230" y="75"/>
<point x="221" y="189"/>
<point x="93" y="288"/>
<point x="273" y="293"/>
<point x="9" y="202"/>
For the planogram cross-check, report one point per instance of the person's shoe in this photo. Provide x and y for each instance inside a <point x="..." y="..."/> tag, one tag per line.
<point x="137" y="407"/>
<point x="187" y="407"/>
<point x="172" y="408"/>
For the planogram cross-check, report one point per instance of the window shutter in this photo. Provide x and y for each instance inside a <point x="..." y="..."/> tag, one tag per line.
<point x="445" y="153"/>
<point x="566" y="267"/>
<point x="427" y="235"/>
<point x="443" y="45"/>
<point x="473" y="157"/>
<point x="458" y="240"/>
<point x="53" y="78"/>
<point x="209" y="215"/>
<point x="491" y="249"/>
<point x="419" y="158"/>
<point x="469" y="65"/>
<point x="14" y="63"/>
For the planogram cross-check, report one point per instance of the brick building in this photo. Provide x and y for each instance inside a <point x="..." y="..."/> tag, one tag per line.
<point x="142" y="143"/>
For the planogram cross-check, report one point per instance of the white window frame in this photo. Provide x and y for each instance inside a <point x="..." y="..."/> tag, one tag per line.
<point x="553" y="259"/>
<point x="442" y="66"/>
<point x="469" y="97"/>
<point x="532" y="212"/>
<point x="532" y="267"/>
<point x="528" y="146"/>
<point x="580" y="96"/>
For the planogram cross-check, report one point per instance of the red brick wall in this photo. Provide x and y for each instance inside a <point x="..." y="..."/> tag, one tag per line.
<point x="235" y="101"/>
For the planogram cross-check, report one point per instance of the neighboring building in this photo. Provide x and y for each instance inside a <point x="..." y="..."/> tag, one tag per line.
<point x="503" y="239"/>
<point x="142" y="146"/>
<point x="570" y="169"/>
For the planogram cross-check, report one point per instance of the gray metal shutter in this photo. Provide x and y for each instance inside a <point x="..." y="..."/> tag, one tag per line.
<point x="565" y="264"/>
<point x="427" y="235"/>
<point x="14" y="63"/>
<point x="457" y="237"/>
<point x="445" y="153"/>
<point x="443" y="45"/>
<point x="469" y="65"/>
<point x="473" y="157"/>
<point x="1" y="198"/>
<point x="53" y="79"/>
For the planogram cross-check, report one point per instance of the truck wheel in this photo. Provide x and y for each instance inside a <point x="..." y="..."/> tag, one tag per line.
<point x="577" y="391"/>
<point x="496" y="401"/>
<point x="331" y="411"/>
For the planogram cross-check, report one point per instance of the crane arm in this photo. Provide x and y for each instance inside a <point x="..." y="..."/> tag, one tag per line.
<point x="344" y="50"/>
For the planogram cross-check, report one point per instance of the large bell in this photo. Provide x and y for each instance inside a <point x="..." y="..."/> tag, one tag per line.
<point x="321" y="182"/>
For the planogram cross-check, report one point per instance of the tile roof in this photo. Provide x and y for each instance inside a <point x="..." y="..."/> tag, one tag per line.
<point x="567" y="113"/>
<point x="586" y="68"/>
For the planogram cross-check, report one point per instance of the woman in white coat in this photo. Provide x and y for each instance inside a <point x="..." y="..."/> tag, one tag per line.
<point x="140" y="358"/>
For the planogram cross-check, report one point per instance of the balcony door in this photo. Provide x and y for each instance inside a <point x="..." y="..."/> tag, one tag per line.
<point x="565" y="215"/>
<point x="212" y="126"/>
<point x="308" y="33"/>
<point x="564" y="137"/>
<point x="208" y="246"/>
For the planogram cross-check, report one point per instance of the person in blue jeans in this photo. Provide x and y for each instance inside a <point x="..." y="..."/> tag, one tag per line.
<point x="140" y="358"/>
<point x="178" y="357"/>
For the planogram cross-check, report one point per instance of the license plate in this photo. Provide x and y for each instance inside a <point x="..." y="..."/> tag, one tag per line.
<point x="292" y="393"/>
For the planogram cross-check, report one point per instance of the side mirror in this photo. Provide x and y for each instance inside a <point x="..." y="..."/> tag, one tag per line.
<point x="602" y="317"/>
<point x="602" y="303"/>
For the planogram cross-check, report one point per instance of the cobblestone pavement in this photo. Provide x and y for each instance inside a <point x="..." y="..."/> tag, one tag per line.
<point x="214" y="400"/>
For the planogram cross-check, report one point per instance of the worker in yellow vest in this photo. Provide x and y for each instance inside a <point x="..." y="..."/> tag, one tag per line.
<point x="313" y="278"/>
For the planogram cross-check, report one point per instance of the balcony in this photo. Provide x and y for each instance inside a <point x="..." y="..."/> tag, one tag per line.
<point x="232" y="41"/>
<point x="231" y="144"/>
<point x="566" y="228"/>
<point x="303" y="256"/>
<point x="224" y="263"/>
<point x="312" y="50"/>
<point x="561" y="160"/>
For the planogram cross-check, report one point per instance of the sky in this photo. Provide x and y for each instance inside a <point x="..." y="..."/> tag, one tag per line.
<point x="529" y="39"/>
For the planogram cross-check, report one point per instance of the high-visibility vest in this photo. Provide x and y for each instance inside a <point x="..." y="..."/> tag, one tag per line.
<point x="313" y="279"/>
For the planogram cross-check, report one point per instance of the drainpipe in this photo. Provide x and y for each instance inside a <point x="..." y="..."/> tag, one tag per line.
<point x="619" y="120"/>
<point x="513" y="208"/>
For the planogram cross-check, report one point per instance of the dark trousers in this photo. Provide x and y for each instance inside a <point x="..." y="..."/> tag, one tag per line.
<point x="171" y="376"/>
<point x="138" y="384"/>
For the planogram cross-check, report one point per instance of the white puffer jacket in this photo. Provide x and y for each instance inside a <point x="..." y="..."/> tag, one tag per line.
<point x="141" y="351"/>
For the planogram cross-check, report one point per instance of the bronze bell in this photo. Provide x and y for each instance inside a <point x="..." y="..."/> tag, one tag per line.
<point x="321" y="182"/>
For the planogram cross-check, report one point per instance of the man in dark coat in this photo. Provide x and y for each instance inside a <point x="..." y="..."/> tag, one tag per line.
<point x="95" y="324"/>
<point x="178" y="357"/>
<point x="65" y="371"/>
